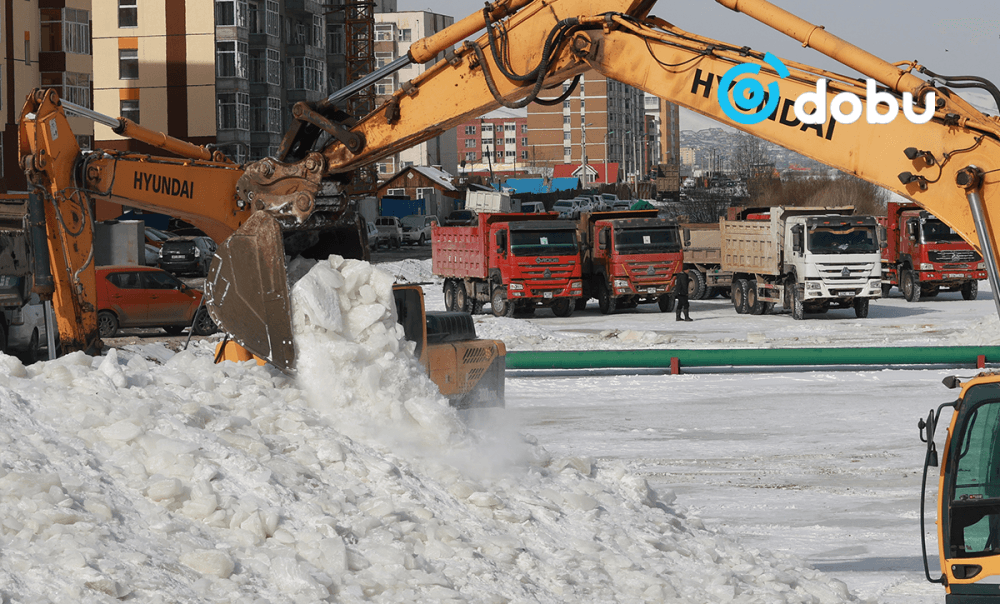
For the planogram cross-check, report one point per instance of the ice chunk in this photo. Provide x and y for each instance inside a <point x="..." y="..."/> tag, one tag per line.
<point x="209" y="562"/>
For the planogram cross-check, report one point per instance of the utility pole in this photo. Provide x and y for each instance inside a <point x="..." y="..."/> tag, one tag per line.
<point x="583" y="133"/>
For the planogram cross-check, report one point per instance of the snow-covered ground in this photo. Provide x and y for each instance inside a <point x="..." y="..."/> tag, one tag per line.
<point x="151" y="476"/>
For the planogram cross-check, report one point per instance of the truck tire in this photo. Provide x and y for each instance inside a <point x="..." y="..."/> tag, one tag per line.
<point x="461" y="299"/>
<point x="696" y="285"/>
<point x="970" y="289"/>
<point x="740" y="292"/>
<point x="666" y="302"/>
<point x="754" y="304"/>
<point x="449" y="295"/>
<point x="861" y="308"/>
<point x="501" y="306"/>
<point x="910" y="286"/>
<point x="605" y="301"/>
<point x="798" y="307"/>
<point x="885" y="290"/>
<point x="563" y="307"/>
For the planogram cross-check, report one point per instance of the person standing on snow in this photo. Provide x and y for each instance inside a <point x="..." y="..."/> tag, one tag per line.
<point x="680" y="293"/>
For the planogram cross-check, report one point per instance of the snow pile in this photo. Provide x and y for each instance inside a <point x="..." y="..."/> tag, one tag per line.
<point x="125" y="478"/>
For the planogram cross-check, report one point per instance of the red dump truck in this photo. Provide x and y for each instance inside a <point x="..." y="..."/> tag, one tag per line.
<point x="628" y="257"/>
<point x="516" y="262"/>
<point x="923" y="255"/>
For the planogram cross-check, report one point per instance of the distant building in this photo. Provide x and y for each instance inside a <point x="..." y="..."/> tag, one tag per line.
<point x="394" y="33"/>
<point x="497" y="142"/>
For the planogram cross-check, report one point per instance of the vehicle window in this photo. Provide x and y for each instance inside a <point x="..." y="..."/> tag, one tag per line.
<point x="158" y="280"/>
<point x="414" y="221"/>
<point x="644" y="241"/>
<point x="843" y="240"/>
<point x="534" y="243"/>
<point x="936" y="231"/>
<point x="128" y="280"/>
<point x="976" y="488"/>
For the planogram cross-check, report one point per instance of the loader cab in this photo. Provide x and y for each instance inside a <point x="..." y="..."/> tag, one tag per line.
<point x="969" y="491"/>
<point x="410" y="314"/>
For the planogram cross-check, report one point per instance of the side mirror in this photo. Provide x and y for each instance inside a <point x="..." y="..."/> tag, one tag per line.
<point x="911" y="229"/>
<point x="797" y="237"/>
<point x="687" y="237"/>
<point x="883" y="238"/>
<point x="502" y="242"/>
<point x="602" y="239"/>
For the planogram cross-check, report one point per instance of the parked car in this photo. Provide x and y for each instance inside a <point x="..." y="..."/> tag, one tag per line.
<point x="390" y="231"/>
<point x="26" y="336"/>
<point x="417" y="228"/>
<point x="156" y="237"/>
<point x="567" y="208"/>
<point x="145" y="296"/>
<point x="187" y="255"/>
<point x="461" y="218"/>
<point x="372" y="236"/>
<point x="621" y="204"/>
<point x="533" y="207"/>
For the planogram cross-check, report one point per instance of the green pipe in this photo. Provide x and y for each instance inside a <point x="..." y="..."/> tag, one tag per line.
<point x="604" y="359"/>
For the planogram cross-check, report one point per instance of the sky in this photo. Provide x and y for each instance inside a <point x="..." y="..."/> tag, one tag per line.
<point x="964" y="42"/>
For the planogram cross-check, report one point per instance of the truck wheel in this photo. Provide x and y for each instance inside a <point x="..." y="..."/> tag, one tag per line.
<point x="740" y="292"/>
<point x="696" y="285"/>
<point x="970" y="289"/>
<point x="861" y="308"/>
<point x="449" y="295"/>
<point x="666" y="302"/>
<point x="502" y="307"/>
<point x="461" y="299"/>
<point x="754" y="304"/>
<point x="885" y="290"/>
<point x="798" y="307"/>
<point x="422" y="240"/>
<point x="563" y="307"/>
<point x="580" y="304"/>
<point x="910" y="286"/>
<point x="605" y="301"/>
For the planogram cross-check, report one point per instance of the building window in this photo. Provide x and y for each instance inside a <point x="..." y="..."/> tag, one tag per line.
<point x="262" y="151"/>
<point x="231" y="12"/>
<point x="488" y="128"/>
<point x="385" y="87"/>
<point x="234" y="111"/>
<point x="405" y="35"/>
<point x="470" y="156"/>
<point x="129" y="110"/>
<point x="72" y="87"/>
<point x="425" y="193"/>
<point x="231" y="59"/>
<point x="383" y="32"/>
<point x="510" y="154"/>
<point x="300" y="34"/>
<point x="510" y="141"/>
<point x="524" y="128"/>
<point x="509" y="127"/>
<point x="566" y="136"/>
<point x="382" y="59"/>
<point x="128" y="13"/>
<point x="273" y="18"/>
<point x="265" y="66"/>
<point x="65" y="30"/>
<point x="265" y="114"/>
<point x="524" y="141"/>
<point x="470" y="143"/>
<point x="307" y="74"/>
<point x="566" y="104"/>
<point x="470" y="130"/>
<point x="318" y="25"/>
<point x="128" y="63"/>
<point x="567" y="151"/>
<point x="335" y="38"/>
<point x="524" y="155"/>
<point x="395" y="192"/>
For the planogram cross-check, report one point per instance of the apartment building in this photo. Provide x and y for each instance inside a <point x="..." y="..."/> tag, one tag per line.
<point x="45" y="43"/>
<point x="498" y="141"/>
<point x="662" y="132"/>
<point x="394" y="33"/>
<point x="602" y="120"/>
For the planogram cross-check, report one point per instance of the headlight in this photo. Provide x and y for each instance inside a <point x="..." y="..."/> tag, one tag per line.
<point x="621" y="283"/>
<point x="516" y="286"/>
<point x="160" y="252"/>
<point x="197" y="253"/>
<point x="924" y="266"/>
<point x="981" y="266"/>
<point x="812" y="285"/>
<point x="875" y="283"/>
<point x="576" y="285"/>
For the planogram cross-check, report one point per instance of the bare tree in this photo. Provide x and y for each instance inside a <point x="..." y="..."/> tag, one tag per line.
<point x="846" y="190"/>
<point x="753" y="165"/>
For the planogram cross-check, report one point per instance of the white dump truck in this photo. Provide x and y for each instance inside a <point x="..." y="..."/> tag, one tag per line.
<point x="807" y="259"/>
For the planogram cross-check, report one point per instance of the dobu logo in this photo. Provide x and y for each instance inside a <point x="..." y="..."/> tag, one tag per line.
<point x="749" y="94"/>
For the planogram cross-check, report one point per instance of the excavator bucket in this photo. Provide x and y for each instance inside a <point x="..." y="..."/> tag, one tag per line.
<point x="246" y="291"/>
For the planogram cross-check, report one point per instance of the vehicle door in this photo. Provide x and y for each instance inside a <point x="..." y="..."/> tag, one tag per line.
<point x="169" y="300"/>
<point x="500" y="252"/>
<point x="126" y="297"/>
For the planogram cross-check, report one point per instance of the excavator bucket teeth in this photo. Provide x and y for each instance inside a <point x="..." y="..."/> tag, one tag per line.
<point x="246" y="291"/>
